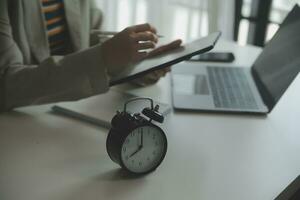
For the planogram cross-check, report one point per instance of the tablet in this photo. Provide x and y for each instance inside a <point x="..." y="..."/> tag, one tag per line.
<point x="170" y="58"/>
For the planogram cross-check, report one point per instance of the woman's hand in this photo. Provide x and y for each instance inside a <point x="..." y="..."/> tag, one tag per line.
<point x="128" y="47"/>
<point x="165" y="48"/>
<point x="153" y="77"/>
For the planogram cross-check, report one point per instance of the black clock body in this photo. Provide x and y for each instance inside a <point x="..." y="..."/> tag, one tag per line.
<point x="123" y="124"/>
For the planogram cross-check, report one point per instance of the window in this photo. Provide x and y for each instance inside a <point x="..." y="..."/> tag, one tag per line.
<point x="280" y="8"/>
<point x="186" y="19"/>
<point x="258" y="20"/>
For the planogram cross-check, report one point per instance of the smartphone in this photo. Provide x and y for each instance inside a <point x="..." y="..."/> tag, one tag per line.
<point x="214" y="57"/>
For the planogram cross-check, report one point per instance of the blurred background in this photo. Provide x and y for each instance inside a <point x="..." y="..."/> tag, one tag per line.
<point x="245" y="21"/>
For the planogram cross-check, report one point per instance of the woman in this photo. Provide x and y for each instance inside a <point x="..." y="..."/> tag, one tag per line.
<point x="48" y="52"/>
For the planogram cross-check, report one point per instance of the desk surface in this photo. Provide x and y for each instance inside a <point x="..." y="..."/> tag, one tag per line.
<point x="210" y="156"/>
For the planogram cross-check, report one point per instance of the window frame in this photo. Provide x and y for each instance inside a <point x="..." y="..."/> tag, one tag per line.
<point x="258" y="20"/>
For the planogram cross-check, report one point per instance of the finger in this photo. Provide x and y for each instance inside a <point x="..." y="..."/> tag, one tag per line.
<point x="139" y="56"/>
<point x="151" y="78"/>
<point x="148" y="79"/>
<point x="168" y="47"/>
<point x="159" y="74"/>
<point x="145" y="36"/>
<point x="176" y="43"/>
<point x="145" y="80"/>
<point x="143" y="27"/>
<point x="156" y="75"/>
<point x="153" y="30"/>
<point x="145" y="45"/>
<point x="168" y="69"/>
<point x="162" y="72"/>
<point x="173" y="45"/>
<point x="157" y="51"/>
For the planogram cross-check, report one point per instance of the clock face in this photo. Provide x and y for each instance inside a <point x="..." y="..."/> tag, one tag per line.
<point x="143" y="149"/>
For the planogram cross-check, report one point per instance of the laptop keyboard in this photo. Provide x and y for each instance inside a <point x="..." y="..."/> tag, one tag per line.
<point x="230" y="88"/>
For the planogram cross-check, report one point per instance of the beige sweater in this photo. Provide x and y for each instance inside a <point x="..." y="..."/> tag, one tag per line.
<point x="29" y="75"/>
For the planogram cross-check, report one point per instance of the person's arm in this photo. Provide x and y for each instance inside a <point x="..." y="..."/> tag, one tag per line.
<point x="72" y="77"/>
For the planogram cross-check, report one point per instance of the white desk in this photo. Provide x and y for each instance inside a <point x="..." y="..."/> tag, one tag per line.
<point x="210" y="156"/>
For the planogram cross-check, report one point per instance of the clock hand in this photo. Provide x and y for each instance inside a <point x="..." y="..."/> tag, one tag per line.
<point x="135" y="152"/>
<point x="140" y="145"/>
<point x="142" y="139"/>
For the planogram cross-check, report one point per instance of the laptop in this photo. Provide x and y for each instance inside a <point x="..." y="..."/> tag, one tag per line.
<point x="291" y="192"/>
<point x="254" y="89"/>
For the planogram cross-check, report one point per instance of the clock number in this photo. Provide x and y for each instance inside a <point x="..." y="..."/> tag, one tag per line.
<point x="124" y="149"/>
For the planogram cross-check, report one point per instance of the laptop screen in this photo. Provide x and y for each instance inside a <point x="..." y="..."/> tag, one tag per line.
<point x="291" y="192"/>
<point x="279" y="63"/>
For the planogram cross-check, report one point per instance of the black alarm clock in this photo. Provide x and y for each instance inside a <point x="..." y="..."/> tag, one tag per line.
<point x="134" y="142"/>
